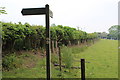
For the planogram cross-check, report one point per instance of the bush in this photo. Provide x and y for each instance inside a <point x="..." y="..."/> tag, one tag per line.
<point x="10" y="62"/>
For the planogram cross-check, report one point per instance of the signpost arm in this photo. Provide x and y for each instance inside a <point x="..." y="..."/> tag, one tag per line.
<point x="47" y="43"/>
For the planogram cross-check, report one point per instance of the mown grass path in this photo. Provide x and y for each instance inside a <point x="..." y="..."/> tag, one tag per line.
<point x="102" y="58"/>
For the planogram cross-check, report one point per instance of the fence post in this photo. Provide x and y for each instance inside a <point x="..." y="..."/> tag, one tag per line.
<point x="59" y="58"/>
<point x="83" y="69"/>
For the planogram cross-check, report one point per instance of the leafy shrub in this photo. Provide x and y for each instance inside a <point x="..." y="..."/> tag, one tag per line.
<point x="10" y="62"/>
<point x="26" y="37"/>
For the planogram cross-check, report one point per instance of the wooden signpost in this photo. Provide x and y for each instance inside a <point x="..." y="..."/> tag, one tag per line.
<point x="48" y="13"/>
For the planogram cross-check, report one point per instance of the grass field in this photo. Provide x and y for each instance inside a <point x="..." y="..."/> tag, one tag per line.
<point x="101" y="58"/>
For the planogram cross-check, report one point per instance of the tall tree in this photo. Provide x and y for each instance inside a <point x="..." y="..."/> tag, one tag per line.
<point x="113" y="32"/>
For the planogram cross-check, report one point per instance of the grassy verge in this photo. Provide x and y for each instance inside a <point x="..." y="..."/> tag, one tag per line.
<point x="67" y="54"/>
<point x="102" y="60"/>
<point x="32" y="67"/>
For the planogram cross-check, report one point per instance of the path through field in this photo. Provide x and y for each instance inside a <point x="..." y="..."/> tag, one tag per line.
<point x="102" y="59"/>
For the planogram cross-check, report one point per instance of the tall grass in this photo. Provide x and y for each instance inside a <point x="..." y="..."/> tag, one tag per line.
<point x="13" y="61"/>
<point x="68" y="52"/>
<point x="67" y="57"/>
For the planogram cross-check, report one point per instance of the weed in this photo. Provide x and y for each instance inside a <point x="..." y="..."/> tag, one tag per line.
<point x="11" y="61"/>
<point x="67" y="57"/>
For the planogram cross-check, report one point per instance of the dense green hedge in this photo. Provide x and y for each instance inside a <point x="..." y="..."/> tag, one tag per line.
<point x="25" y="36"/>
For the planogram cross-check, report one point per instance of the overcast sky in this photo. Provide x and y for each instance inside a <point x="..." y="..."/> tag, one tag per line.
<point x="89" y="15"/>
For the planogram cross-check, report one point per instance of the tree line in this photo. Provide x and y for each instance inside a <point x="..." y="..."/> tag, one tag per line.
<point x="25" y="36"/>
<point x="114" y="33"/>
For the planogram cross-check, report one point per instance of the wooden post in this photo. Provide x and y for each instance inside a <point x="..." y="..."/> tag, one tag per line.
<point x="48" y="13"/>
<point x="60" y="59"/>
<point x="56" y="46"/>
<point x="47" y="43"/>
<point x="83" y="69"/>
<point x="52" y="46"/>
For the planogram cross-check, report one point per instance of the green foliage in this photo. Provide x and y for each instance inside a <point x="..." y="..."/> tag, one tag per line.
<point x="92" y="35"/>
<point x="25" y="36"/>
<point x="102" y="34"/>
<point x="10" y="62"/>
<point x="54" y="59"/>
<point x="67" y="57"/>
<point x="59" y="32"/>
<point x="101" y="57"/>
<point x="37" y="70"/>
<point x="2" y="10"/>
<point x="77" y="49"/>
<point x="14" y="61"/>
<point x="68" y="52"/>
<point x="114" y="32"/>
<point x="19" y="36"/>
